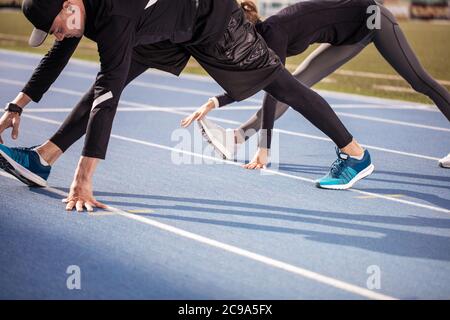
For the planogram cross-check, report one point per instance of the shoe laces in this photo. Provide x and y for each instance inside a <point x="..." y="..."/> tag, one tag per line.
<point x="339" y="164"/>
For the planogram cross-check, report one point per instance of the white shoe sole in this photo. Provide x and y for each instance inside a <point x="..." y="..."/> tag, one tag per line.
<point x="366" y="172"/>
<point x="445" y="166"/>
<point x="445" y="162"/>
<point x="218" y="146"/>
<point x="21" y="173"/>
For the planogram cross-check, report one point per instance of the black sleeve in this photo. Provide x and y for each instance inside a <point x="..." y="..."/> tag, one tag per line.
<point x="224" y="99"/>
<point x="115" y="50"/>
<point x="277" y="40"/>
<point x="50" y="68"/>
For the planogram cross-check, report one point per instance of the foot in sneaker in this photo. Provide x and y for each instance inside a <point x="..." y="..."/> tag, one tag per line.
<point x="223" y="140"/>
<point x="445" y="162"/>
<point x="25" y="164"/>
<point x="346" y="171"/>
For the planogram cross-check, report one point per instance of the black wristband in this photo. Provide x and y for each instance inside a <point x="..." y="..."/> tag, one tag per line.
<point x="12" y="107"/>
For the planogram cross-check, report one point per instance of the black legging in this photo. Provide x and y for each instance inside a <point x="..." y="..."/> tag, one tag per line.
<point x="285" y="88"/>
<point x="305" y="101"/>
<point x="392" y="45"/>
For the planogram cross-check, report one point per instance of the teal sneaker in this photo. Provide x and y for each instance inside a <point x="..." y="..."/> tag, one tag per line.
<point x="346" y="171"/>
<point x="25" y="165"/>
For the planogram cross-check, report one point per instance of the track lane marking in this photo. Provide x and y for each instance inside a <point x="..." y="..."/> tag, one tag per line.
<point x="202" y="78"/>
<point x="222" y="120"/>
<point x="305" y="273"/>
<point x="274" y="172"/>
<point x="178" y="89"/>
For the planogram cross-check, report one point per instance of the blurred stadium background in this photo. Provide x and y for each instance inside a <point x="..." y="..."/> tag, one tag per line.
<point x="425" y="22"/>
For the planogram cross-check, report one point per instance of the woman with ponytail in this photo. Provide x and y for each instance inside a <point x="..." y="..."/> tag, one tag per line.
<point x="342" y="29"/>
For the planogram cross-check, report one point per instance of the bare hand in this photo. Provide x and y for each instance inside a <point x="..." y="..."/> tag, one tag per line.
<point x="198" y="115"/>
<point x="81" y="196"/>
<point x="10" y="120"/>
<point x="259" y="161"/>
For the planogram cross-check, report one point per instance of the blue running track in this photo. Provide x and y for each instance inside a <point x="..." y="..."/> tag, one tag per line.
<point x="187" y="226"/>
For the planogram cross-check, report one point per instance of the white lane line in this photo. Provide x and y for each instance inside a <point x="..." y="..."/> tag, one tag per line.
<point x="122" y="109"/>
<point x="403" y="123"/>
<point x="134" y="83"/>
<point x="381" y="76"/>
<point x="367" y="146"/>
<point x="378" y="107"/>
<point x="193" y="108"/>
<point x="345" y="286"/>
<point x="200" y="92"/>
<point x="222" y="120"/>
<point x="79" y="94"/>
<point x="314" y="276"/>
<point x="372" y="75"/>
<point x="208" y="93"/>
<point x="6" y="36"/>
<point x="36" y="57"/>
<point x="129" y="109"/>
<point x="393" y="88"/>
<point x="274" y="172"/>
<point x="183" y="90"/>
<point x="202" y="78"/>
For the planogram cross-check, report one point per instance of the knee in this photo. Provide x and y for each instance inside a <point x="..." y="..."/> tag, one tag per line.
<point x="418" y="86"/>
<point x="284" y="98"/>
<point x="423" y="83"/>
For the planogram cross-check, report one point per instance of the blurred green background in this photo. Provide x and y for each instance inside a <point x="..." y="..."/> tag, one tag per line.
<point x="367" y="74"/>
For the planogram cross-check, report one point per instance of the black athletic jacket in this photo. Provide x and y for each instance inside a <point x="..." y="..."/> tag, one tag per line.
<point x="119" y="27"/>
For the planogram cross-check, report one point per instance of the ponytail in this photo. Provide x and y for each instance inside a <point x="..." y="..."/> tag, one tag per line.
<point x="251" y="11"/>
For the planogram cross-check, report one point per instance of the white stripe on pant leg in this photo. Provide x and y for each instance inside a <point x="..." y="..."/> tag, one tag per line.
<point x="150" y="3"/>
<point x="102" y="99"/>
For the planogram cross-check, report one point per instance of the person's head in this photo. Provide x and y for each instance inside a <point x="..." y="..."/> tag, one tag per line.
<point x="63" y="19"/>
<point x="251" y="11"/>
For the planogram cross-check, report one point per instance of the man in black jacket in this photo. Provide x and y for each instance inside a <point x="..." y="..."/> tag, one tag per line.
<point x="131" y="36"/>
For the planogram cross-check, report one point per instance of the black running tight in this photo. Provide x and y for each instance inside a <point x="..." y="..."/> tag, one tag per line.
<point x="305" y="101"/>
<point x="392" y="45"/>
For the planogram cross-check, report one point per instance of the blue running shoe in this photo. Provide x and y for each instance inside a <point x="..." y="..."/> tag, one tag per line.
<point x="25" y="165"/>
<point x="346" y="171"/>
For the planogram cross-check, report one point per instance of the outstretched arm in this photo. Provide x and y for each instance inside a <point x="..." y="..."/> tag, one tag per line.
<point x="199" y="114"/>
<point x="48" y="70"/>
<point x="115" y="60"/>
<point x="50" y="67"/>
